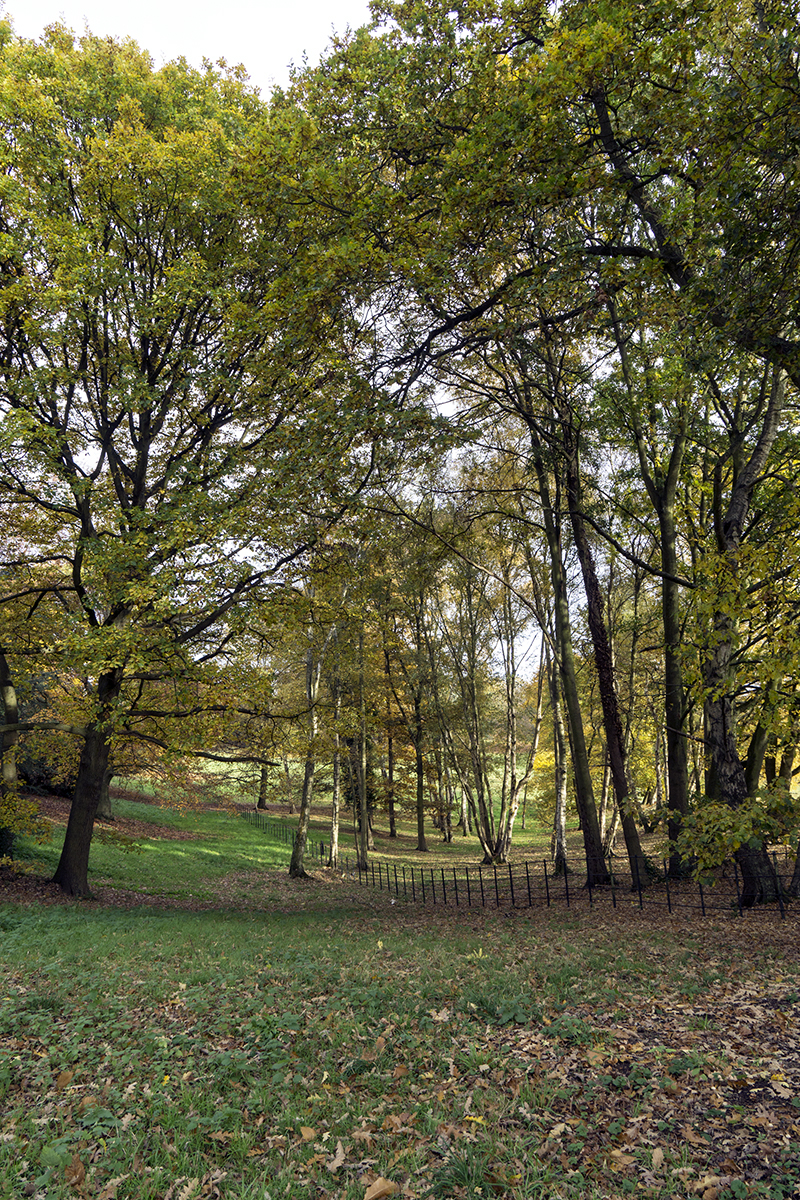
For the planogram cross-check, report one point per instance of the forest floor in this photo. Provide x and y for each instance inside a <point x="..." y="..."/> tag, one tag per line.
<point x="207" y="1027"/>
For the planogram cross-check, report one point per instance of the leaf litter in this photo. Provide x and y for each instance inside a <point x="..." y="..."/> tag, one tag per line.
<point x="379" y="1081"/>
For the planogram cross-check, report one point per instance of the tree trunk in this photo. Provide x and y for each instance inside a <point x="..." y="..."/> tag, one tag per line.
<point x="755" y="757"/>
<point x="558" y="848"/>
<point x="297" y="862"/>
<point x="333" y="853"/>
<point x="759" y="883"/>
<point x="263" y="781"/>
<point x="8" y="752"/>
<point x="661" y="485"/>
<point x="463" y="813"/>
<point x="674" y="692"/>
<point x="287" y="779"/>
<point x="314" y="662"/>
<point x="72" y="873"/>
<point x="104" y="810"/>
<point x="390" y="787"/>
<point x="336" y="797"/>
<point x="597" y="871"/>
<point x="362" y="849"/>
<point x="605" y="796"/>
<point x="601" y="645"/>
<point x="419" y="734"/>
<point x="389" y="743"/>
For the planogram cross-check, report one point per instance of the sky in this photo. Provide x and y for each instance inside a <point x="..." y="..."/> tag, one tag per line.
<point x="264" y="35"/>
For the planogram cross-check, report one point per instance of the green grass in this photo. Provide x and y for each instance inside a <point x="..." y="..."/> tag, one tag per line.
<point x="313" y="1037"/>
<point x="218" y="844"/>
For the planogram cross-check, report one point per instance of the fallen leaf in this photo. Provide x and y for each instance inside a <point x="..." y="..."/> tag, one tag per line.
<point x="109" y="1192"/>
<point x="338" y="1159"/>
<point x="658" y="1158"/>
<point x="75" y="1173"/>
<point x="381" y="1188"/>
<point x="64" y="1080"/>
<point x="307" y="1134"/>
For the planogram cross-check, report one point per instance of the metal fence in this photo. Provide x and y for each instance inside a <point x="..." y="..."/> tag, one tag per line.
<point x="537" y="885"/>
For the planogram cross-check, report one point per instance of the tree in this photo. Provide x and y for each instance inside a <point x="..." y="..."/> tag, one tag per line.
<point x="158" y="402"/>
<point x="500" y="157"/>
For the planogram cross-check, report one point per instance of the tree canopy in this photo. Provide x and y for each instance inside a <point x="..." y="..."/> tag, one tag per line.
<point x="525" y="277"/>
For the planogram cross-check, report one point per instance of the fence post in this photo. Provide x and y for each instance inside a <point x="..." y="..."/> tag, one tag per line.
<point x="422" y="881"/>
<point x="469" y="893"/>
<point x="413" y="888"/>
<point x="511" y="885"/>
<point x="433" y="886"/>
<point x="546" y="881"/>
<point x="396" y="884"/>
<point x="703" y="899"/>
<point x="444" y="889"/>
<point x="405" y="893"/>
<point x="480" y="876"/>
<point x="528" y="881"/>
<point x="496" y="888"/>
<point x="455" y="885"/>
<point x="566" y="881"/>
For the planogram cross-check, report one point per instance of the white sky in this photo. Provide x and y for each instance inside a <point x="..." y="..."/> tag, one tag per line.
<point x="263" y="35"/>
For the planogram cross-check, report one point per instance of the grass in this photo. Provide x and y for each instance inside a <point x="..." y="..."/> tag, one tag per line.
<point x="216" y="844"/>
<point x="312" y="1039"/>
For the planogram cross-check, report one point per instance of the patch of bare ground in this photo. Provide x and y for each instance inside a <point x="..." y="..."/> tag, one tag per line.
<point x="56" y="810"/>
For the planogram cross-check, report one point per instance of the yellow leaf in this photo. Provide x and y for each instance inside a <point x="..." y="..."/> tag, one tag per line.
<point x="307" y="1134"/>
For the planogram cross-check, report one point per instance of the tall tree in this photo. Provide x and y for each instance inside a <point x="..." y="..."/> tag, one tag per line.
<point x="158" y="404"/>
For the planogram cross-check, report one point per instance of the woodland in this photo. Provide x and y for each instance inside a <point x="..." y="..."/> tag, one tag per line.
<point x="430" y="426"/>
